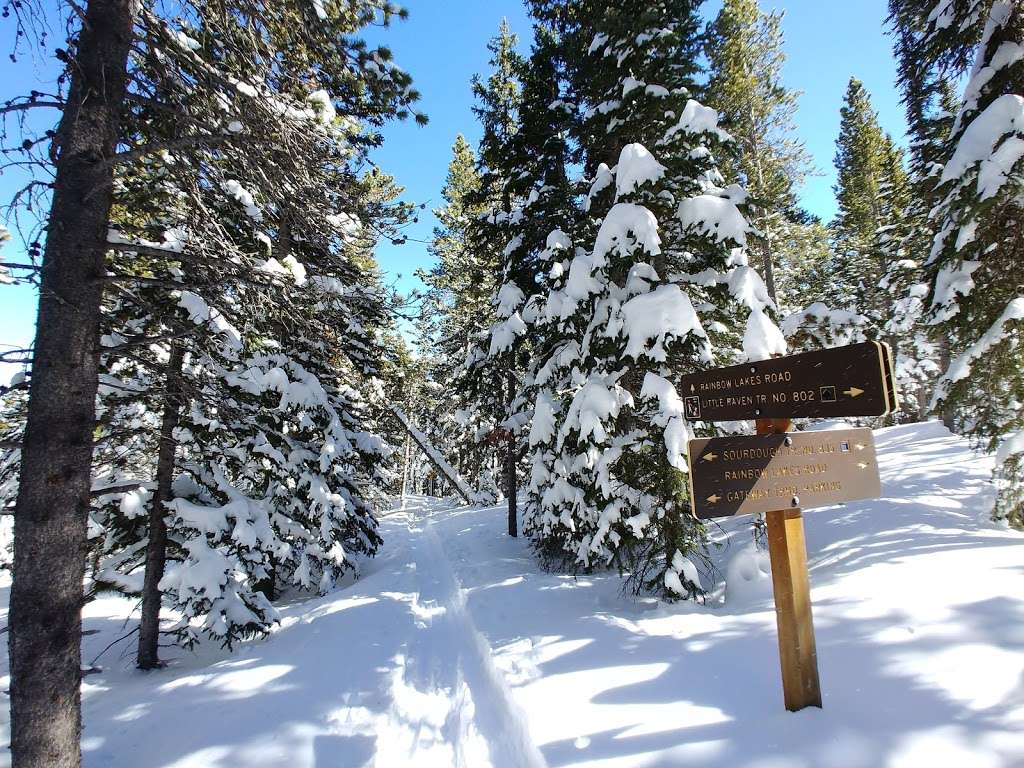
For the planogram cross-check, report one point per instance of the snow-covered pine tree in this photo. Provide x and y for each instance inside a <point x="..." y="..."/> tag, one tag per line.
<point x="243" y="321"/>
<point x="976" y="257"/>
<point x="744" y="48"/>
<point x="872" y="193"/>
<point x="608" y="482"/>
<point x="931" y="105"/>
<point x="544" y="209"/>
<point x="455" y="311"/>
<point x="498" y="109"/>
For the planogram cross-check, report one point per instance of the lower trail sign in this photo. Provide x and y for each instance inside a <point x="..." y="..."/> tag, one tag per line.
<point x="745" y="474"/>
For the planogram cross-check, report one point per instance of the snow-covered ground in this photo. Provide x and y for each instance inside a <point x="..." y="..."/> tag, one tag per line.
<point x="455" y="650"/>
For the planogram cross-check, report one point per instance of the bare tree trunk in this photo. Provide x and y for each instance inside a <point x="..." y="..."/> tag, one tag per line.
<point x="768" y="258"/>
<point x="406" y="468"/>
<point x="769" y="268"/>
<point x="510" y="466"/>
<point x="156" y="548"/>
<point x="53" y="498"/>
<point x="944" y="360"/>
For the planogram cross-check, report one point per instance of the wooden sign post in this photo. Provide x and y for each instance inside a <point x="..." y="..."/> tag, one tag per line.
<point x="787" y="549"/>
<point x="778" y="472"/>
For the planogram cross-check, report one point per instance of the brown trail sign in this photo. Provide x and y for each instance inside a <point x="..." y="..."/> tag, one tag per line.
<point x="778" y="472"/>
<point x="745" y="474"/>
<point x="855" y="380"/>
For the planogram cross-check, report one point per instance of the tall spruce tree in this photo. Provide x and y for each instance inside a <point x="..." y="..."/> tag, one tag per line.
<point x="872" y="193"/>
<point x="217" y="90"/>
<point x="931" y="105"/>
<point x="744" y="48"/>
<point x="543" y="208"/>
<point x="608" y="483"/>
<point x="975" y="261"/>
<point x="498" y="109"/>
<point x="455" y="312"/>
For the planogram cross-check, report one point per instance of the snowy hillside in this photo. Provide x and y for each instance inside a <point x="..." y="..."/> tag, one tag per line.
<point x="455" y="650"/>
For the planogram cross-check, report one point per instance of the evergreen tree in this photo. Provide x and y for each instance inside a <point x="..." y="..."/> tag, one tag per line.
<point x="861" y="164"/>
<point x="873" y="193"/>
<point x="480" y="384"/>
<point x="455" y="312"/>
<point x="544" y="207"/>
<point x="744" y="48"/>
<point x="497" y="106"/>
<point x="976" y="257"/>
<point x="930" y="106"/>
<point x="608" y="482"/>
<point x="232" y="267"/>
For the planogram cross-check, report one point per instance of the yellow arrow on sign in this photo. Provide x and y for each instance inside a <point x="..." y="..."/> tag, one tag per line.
<point x="860" y="446"/>
<point x="714" y="499"/>
<point x="862" y="465"/>
<point x="853" y="392"/>
<point x="710" y="457"/>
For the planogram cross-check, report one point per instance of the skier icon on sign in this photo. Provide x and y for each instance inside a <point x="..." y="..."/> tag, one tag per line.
<point x="691" y="407"/>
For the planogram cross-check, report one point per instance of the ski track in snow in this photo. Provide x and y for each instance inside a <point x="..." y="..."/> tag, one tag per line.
<point x="470" y="719"/>
<point x="454" y="650"/>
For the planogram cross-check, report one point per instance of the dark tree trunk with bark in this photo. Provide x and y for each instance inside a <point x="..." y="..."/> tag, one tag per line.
<point x="767" y="261"/>
<point x="510" y="466"/>
<point x="53" y="498"/>
<point x="944" y="359"/>
<point x="156" y="547"/>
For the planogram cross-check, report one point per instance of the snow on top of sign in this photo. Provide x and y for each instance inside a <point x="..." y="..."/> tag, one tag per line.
<point x="762" y="339"/>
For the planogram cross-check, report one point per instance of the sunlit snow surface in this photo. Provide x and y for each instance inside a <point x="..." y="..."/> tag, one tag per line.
<point x="455" y="650"/>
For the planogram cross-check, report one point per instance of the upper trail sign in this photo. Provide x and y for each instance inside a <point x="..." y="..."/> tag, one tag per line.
<point x="855" y="380"/>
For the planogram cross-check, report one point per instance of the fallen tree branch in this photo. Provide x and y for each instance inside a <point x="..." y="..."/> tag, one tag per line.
<point x="110" y="490"/>
<point x="123" y="637"/>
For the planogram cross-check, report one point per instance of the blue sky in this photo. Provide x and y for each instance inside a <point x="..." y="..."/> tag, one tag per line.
<point x="444" y="43"/>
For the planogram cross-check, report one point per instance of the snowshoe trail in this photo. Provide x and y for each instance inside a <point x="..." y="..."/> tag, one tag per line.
<point x="452" y="705"/>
